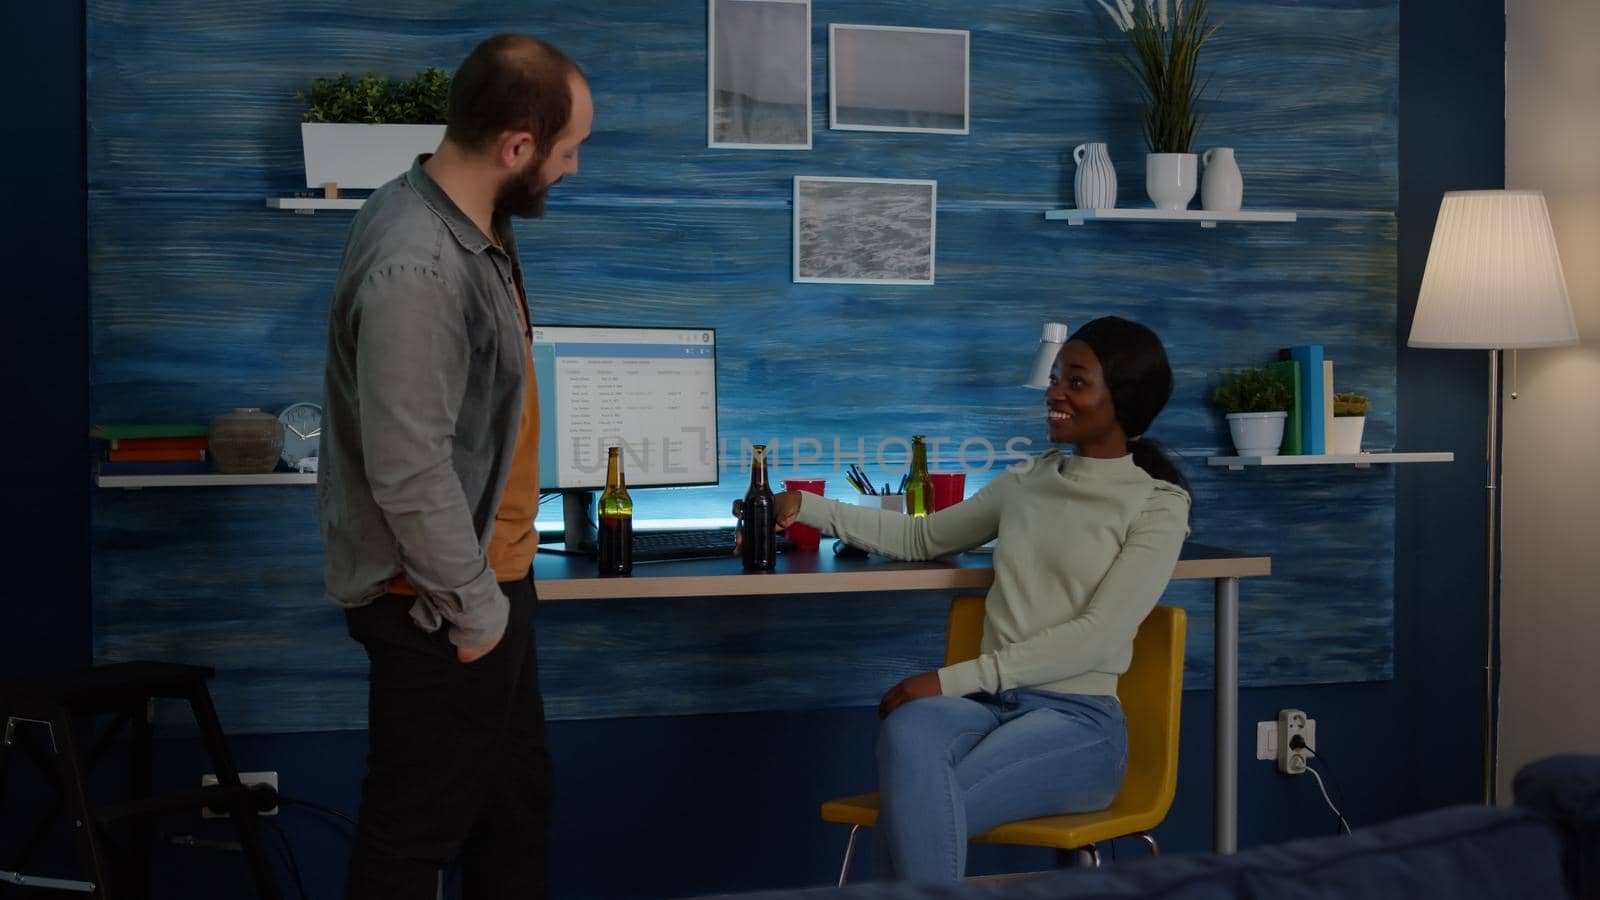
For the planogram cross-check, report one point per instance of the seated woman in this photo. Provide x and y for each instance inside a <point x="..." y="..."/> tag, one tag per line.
<point x="1086" y="545"/>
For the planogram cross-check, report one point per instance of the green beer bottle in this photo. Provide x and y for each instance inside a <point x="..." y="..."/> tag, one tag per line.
<point x="919" y="487"/>
<point x="615" y="552"/>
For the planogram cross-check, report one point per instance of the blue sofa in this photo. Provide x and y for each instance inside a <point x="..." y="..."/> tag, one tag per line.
<point x="1546" y="846"/>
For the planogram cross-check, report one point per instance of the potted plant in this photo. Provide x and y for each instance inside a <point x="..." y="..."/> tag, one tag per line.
<point x="359" y="133"/>
<point x="1257" y="404"/>
<point x="1163" y="49"/>
<point x="1349" y="419"/>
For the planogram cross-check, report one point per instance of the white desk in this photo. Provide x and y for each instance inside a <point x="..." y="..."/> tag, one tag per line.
<point x="574" y="578"/>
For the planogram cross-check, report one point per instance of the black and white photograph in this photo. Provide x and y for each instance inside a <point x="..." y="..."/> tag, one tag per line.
<point x="758" y="85"/>
<point x="882" y="78"/>
<point x="864" y="230"/>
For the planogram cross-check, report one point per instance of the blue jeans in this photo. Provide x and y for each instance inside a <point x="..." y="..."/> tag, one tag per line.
<point x="951" y="767"/>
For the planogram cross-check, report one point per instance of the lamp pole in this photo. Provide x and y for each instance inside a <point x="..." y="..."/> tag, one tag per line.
<point x="1492" y="585"/>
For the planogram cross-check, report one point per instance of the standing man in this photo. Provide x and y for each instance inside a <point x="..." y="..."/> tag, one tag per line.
<point x="429" y="485"/>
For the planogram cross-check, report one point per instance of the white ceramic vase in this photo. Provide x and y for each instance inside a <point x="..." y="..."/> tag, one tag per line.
<point x="1094" y="186"/>
<point x="1170" y="179"/>
<point x="1257" y="434"/>
<point x="1222" y="189"/>
<point x="1346" y="435"/>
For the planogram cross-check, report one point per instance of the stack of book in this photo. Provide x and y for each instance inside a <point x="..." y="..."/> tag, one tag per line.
<point x="1309" y="375"/>
<point x="153" y="449"/>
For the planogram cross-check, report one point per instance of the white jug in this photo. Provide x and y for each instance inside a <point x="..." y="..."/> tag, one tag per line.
<point x="1222" y="187"/>
<point x="1095" y="184"/>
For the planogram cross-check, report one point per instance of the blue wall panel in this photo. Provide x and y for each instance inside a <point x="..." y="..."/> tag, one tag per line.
<point x="203" y="300"/>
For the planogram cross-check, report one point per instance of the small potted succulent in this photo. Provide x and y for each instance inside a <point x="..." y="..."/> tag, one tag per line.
<point x="361" y="132"/>
<point x="1349" y="419"/>
<point x="1257" y="404"/>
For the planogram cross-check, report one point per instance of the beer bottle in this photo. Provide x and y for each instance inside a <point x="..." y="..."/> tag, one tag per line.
<point x="759" y="538"/>
<point x="616" y="521"/>
<point x="919" y="487"/>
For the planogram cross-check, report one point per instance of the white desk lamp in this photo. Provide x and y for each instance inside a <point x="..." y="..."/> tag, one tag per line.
<point x="1055" y="334"/>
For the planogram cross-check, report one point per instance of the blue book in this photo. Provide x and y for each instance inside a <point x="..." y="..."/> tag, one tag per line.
<point x="164" y="467"/>
<point x="1313" y="441"/>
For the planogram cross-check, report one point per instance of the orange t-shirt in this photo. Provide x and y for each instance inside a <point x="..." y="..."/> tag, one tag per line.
<point x="515" y="540"/>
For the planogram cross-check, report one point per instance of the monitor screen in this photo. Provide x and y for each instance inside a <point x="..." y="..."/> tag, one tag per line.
<point x="651" y="391"/>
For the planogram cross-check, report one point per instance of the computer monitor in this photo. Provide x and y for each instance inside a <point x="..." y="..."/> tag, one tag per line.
<point x="650" y="391"/>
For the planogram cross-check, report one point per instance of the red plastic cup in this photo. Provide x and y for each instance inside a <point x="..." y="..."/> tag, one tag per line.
<point x="805" y="537"/>
<point x="948" y="488"/>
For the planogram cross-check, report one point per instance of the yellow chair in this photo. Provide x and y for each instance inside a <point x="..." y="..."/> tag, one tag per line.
<point x="1151" y="692"/>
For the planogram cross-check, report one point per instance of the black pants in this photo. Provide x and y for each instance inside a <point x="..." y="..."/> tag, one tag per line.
<point x="456" y="766"/>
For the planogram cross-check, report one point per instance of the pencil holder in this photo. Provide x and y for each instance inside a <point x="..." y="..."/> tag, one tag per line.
<point x="896" y="502"/>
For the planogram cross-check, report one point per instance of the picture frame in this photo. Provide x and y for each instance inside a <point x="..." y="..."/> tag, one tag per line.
<point x="887" y="78"/>
<point x="864" y="230"/>
<point x="758" y="74"/>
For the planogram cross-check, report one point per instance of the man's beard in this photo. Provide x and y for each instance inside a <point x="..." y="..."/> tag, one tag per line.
<point x="523" y="196"/>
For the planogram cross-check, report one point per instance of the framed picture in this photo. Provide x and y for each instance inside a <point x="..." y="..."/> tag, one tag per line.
<point x="864" y="230"/>
<point x="898" y="79"/>
<point x="758" y="87"/>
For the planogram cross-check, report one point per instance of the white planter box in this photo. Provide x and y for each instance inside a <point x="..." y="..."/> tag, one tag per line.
<point x="363" y="156"/>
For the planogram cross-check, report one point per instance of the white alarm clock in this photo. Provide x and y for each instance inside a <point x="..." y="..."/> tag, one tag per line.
<point x="302" y="432"/>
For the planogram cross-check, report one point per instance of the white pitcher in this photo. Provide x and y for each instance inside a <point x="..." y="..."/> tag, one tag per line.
<point x="1222" y="188"/>
<point x="1095" y="184"/>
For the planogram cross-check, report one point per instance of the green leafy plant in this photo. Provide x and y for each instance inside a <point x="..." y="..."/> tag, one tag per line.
<point x="1345" y="405"/>
<point x="1164" y="40"/>
<point x="375" y="100"/>
<point x="1251" y="391"/>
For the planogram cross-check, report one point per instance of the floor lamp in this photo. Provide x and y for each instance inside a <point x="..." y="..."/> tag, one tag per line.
<point x="1493" y="282"/>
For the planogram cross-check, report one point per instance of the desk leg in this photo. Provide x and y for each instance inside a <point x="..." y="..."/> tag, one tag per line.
<point x="1226" y="828"/>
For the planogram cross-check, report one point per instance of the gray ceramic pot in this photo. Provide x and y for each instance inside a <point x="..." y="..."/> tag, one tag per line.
<point x="246" y="441"/>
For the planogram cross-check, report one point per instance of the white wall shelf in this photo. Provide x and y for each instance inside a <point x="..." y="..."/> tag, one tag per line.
<point x="134" y="482"/>
<point x="1205" y="218"/>
<point x="1359" y="460"/>
<point x="307" y="205"/>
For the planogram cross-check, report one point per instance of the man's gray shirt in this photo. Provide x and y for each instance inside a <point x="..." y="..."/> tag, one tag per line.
<point x="422" y="396"/>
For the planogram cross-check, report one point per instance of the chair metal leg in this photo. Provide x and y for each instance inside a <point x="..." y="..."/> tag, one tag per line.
<point x="92" y="847"/>
<point x="1094" y="855"/>
<point x="849" y="851"/>
<point x="1148" y="838"/>
<point x="244" y="817"/>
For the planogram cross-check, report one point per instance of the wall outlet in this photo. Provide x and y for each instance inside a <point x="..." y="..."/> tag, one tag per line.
<point x="210" y="779"/>
<point x="1267" y="740"/>
<point x="1294" y="723"/>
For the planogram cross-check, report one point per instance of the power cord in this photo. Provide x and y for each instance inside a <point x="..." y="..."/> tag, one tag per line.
<point x="325" y="810"/>
<point x="284" y="848"/>
<point x="1298" y="743"/>
<point x="288" y="852"/>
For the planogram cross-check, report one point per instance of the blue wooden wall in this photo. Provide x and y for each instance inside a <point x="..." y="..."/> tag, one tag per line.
<point x="202" y="299"/>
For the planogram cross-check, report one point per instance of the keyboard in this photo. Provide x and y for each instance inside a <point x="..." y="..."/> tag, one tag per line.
<point x="701" y="543"/>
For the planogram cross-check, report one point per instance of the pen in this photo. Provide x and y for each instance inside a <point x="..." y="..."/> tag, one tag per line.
<point x="903" y="479"/>
<point x="862" y="479"/>
<point x="886" y="487"/>
<point x="855" y="481"/>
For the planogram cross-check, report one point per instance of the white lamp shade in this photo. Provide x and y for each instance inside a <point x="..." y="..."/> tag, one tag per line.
<point x="1055" y="334"/>
<point x="1494" y="277"/>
